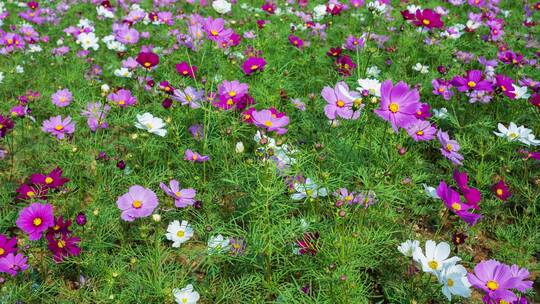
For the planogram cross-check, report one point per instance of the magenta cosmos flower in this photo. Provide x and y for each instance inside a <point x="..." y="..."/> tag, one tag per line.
<point x="495" y="280"/>
<point x="472" y="195"/>
<point x="35" y="219"/>
<point x="137" y="202"/>
<point x="341" y="102"/>
<point x="185" y="69"/>
<point x="58" y="127"/>
<point x="421" y="130"/>
<point x="268" y="120"/>
<point x="398" y="104"/>
<point x="191" y="156"/>
<point x="7" y="246"/>
<point x="62" y="245"/>
<point x="182" y="197"/>
<point x="449" y="148"/>
<point x="11" y="264"/>
<point x="452" y="201"/>
<point x="147" y="60"/>
<point x="253" y="64"/>
<point x="53" y="179"/>
<point x="62" y="98"/>
<point x="506" y="84"/>
<point x="474" y="80"/>
<point x="428" y="18"/>
<point x="501" y="190"/>
<point x="122" y="98"/>
<point x="296" y="41"/>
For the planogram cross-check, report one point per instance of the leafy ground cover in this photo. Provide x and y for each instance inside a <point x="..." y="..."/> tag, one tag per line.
<point x="269" y="152"/>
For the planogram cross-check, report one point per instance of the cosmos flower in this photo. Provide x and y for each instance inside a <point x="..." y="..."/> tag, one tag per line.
<point x="253" y="64"/>
<point x="189" y="96"/>
<point x="408" y="247"/>
<point x="435" y="258"/>
<point x="182" y="197"/>
<point x="122" y="98"/>
<point x="515" y="133"/>
<point x="238" y="245"/>
<point x="506" y="85"/>
<point x="268" y="120"/>
<point x="95" y="114"/>
<point x="495" y="280"/>
<point x="454" y="282"/>
<point x="421" y="130"/>
<point x="472" y="195"/>
<point x="443" y="88"/>
<point x="62" y="98"/>
<point x="185" y="69"/>
<point x="7" y="246"/>
<point x="341" y="102"/>
<point x="370" y="86"/>
<point x="147" y="60"/>
<point x="13" y="263"/>
<point x="501" y="190"/>
<point x="35" y="219"/>
<point x="307" y="188"/>
<point x="452" y="201"/>
<point x="473" y="81"/>
<point x="154" y="125"/>
<point x="427" y="18"/>
<point x="218" y="244"/>
<point x="136" y="203"/>
<point x="186" y="295"/>
<point x="52" y="180"/>
<point x="398" y="104"/>
<point x="195" y="157"/>
<point x="296" y="41"/>
<point x="308" y="244"/>
<point x="59" y="127"/>
<point x="62" y="246"/>
<point x="449" y="148"/>
<point x="179" y="233"/>
<point x="354" y="43"/>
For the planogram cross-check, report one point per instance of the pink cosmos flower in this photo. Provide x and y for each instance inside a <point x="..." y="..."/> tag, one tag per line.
<point x="472" y="195"/>
<point x="443" y="88"/>
<point x="506" y="84"/>
<point x="449" y="148"/>
<point x="62" y="98"/>
<point x="428" y="18"/>
<point x="122" y="98"/>
<point x="452" y="201"/>
<point x="495" y="280"/>
<point x="7" y="246"/>
<point x="11" y="264"/>
<point x="253" y="64"/>
<point x="341" y="102"/>
<point x="268" y="120"/>
<point x="501" y="190"/>
<point x="35" y="219"/>
<point x="136" y="203"/>
<point x="51" y="180"/>
<point x="185" y="69"/>
<point x="474" y="80"/>
<point x="58" y="127"/>
<point x="398" y="104"/>
<point x="195" y="157"/>
<point x="421" y="130"/>
<point x="182" y="197"/>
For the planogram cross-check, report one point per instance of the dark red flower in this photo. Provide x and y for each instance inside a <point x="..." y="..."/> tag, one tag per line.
<point x="501" y="190"/>
<point x="6" y="124"/>
<point x="428" y="18"/>
<point x="309" y="243"/>
<point x="334" y="52"/>
<point x="52" y="180"/>
<point x="31" y="191"/>
<point x="62" y="245"/>
<point x="184" y="69"/>
<point x="147" y="59"/>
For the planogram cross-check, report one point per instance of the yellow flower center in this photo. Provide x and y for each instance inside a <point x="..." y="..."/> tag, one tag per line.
<point x="59" y="127"/>
<point x="393" y="107"/>
<point x="450" y="283"/>
<point x="232" y="93"/>
<point x="449" y="147"/>
<point x="37" y="221"/>
<point x="420" y="133"/>
<point x="348" y="198"/>
<point x="340" y="103"/>
<point x="456" y="206"/>
<point x="180" y="233"/>
<point x="122" y="102"/>
<point x="147" y="64"/>
<point x="48" y="180"/>
<point x="194" y="157"/>
<point x="56" y="227"/>
<point x="471" y="84"/>
<point x="503" y="88"/>
<point x="492" y="285"/>
<point x="214" y="32"/>
<point x="499" y="192"/>
<point x="268" y="123"/>
<point x="30" y="193"/>
<point x="2" y="251"/>
<point x="61" y="244"/>
<point x="433" y="264"/>
<point x="236" y="246"/>
<point x="230" y="102"/>
<point x="441" y="90"/>
<point x="137" y="204"/>
<point x="184" y="72"/>
<point x="177" y="193"/>
<point x="254" y="67"/>
<point x="426" y="22"/>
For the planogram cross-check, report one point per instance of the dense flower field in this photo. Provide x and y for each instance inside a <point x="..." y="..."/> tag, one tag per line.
<point x="235" y="151"/>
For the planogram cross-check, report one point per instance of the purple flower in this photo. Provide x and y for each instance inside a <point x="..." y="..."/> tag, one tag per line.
<point x="442" y="87"/>
<point x="62" y="98"/>
<point x="474" y="80"/>
<point x="196" y="131"/>
<point x="398" y="104"/>
<point x="58" y="127"/>
<point x="341" y="102"/>
<point x="137" y="202"/>
<point x="506" y="84"/>
<point x="182" y="197"/>
<point x="449" y="148"/>
<point x="80" y="219"/>
<point x="189" y="96"/>
<point x="253" y="64"/>
<point x="35" y="219"/>
<point x="7" y="246"/>
<point x="95" y="114"/>
<point x="495" y="279"/>
<point x="11" y="264"/>
<point x="62" y="245"/>
<point x="472" y="195"/>
<point x="421" y="130"/>
<point x="237" y="245"/>
<point x="195" y="157"/>
<point x="347" y="196"/>
<point x="268" y="120"/>
<point x="122" y="98"/>
<point x="354" y="43"/>
<point x="452" y="201"/>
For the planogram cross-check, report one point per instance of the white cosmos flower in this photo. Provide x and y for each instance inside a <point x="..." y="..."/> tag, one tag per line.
<point x="186" y="295"/>
<point x="515" y="133"/>
<point x="154" y="125"/>
<point x="408" y="247"/>
<point x="217" y="244"/>
<point x="431" y="191"/>
<point x="454" y="281"/>
<point x="441" y="113"/>
<point x="373" y="71"/>
<point x="221" y="6"/>
<point x="179" y="233"/>
<point x="423" y="69"/>
<point x="123" y="72"/>
<point x="371" y="85"/>
<point x="88" y="41"/>
<point x="521" y="92"/>
<point x="308" y="189"/>
<point x="104" y="12"/>
<point x="435" y="258"/>
<point x="319" y="11"/>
